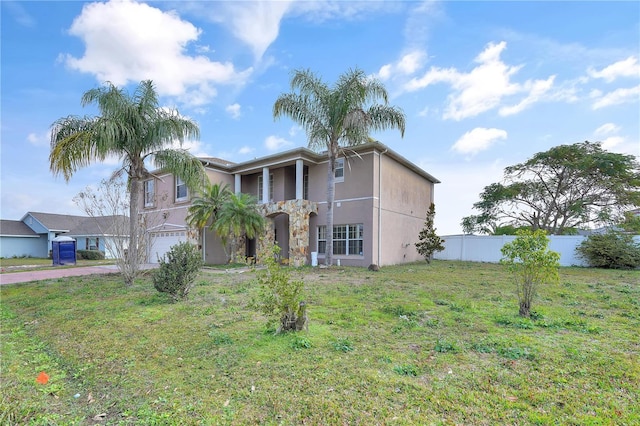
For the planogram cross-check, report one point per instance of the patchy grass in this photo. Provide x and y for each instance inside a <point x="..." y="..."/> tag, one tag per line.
<point x="412" y="344"/>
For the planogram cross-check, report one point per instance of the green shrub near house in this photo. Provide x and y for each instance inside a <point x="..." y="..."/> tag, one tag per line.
<point x="89" y="255"/>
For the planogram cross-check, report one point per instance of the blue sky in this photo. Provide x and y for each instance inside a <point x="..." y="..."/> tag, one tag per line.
<point x="484" y="85"/>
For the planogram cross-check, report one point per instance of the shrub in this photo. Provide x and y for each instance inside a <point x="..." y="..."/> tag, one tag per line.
<point x="90" y="254"/>
<point x="279" y="297"/>
<point x="531" y="263"/>
<point x="178" y="270"/>
<point x="612" y="250"/>
<point x="429" y="242"/>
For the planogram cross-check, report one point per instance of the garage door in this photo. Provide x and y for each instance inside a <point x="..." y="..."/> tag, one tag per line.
<point x="161" y="243"/>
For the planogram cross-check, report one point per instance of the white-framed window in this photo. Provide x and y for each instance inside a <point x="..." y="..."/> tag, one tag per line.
<point x="339" y="171"/>
<point x="182" y="193"/>
<point x="260" y="186"/>
<point x="149" y="193"/>
<point x="347" y="239"/>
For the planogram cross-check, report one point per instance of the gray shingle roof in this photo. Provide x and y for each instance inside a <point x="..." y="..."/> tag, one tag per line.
<point x="15" y="228"/>
<point x="80" y="225"/>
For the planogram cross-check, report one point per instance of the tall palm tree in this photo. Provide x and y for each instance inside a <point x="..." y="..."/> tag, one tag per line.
<point x="336" y="117"/>
<point x="135" y="129"/>
<point x="239" y="216"/>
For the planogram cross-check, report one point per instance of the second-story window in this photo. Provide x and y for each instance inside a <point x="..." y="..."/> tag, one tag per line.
<point x="181" y="190"/>
<point x="305" y="186"/>
<point x="149" y="193"/>
<point x="339" y="172"/>
<point x="260" y="187"/>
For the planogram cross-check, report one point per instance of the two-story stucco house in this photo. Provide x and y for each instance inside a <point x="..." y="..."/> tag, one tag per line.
<point x="381" y="200"/>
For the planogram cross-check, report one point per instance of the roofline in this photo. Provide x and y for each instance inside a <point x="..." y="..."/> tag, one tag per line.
<point x="310" y="156"/>
<point x="20" y="236"/>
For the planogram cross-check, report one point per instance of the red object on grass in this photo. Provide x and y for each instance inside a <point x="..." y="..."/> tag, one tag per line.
<point x="43" y="378"/>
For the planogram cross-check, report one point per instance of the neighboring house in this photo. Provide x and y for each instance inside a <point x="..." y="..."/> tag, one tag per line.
<point x="17" y="239"/>
<point x="381" y="200"/>
<point x="33" y="238"/>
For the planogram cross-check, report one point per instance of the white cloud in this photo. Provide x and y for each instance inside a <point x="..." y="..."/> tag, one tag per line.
<point x="478" y="139"/>
<point x="233" y="110"/>
<point x="612" y="142"/>
<point x="245" y="150"/>
<point x="618" y="96"/>
<point x="408" y="64"/>
<point x="537" y="89"/>
<point x="484" y="87"/>
<point x="39" y="139"/>
<point x="274" y="143"/>
<point x="128" y="41"/>
<point x="255" y="23"/>
<point x="606" y="129"/>
<point x="626" y="68"/>
<point x="294" y="130"/>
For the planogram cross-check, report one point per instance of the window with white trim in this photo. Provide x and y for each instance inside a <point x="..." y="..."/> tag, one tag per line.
<point x="339" y="170"/>
<point x="347" y="239"/>
<point x="149" y="193"/>
<point x="260" y="186"/>
<point x="182" y="193"/>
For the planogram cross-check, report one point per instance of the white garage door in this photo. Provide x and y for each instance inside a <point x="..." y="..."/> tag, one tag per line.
<point x="161" y="243"/>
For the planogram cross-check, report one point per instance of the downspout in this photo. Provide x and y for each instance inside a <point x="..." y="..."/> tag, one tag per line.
<point x="380" y="205"/>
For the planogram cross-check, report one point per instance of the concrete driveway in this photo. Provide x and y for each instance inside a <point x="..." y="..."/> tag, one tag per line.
<point x="47" y="274"/>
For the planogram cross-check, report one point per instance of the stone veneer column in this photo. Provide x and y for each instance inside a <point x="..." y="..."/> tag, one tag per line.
<point x="269" y="237"/>
<point x="299" y="212"/>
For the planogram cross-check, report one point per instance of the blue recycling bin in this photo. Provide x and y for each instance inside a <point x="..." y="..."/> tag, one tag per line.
<point x="63" y="251"/>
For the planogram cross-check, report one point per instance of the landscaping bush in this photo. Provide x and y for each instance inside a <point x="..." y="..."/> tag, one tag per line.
<point x="531" y="263"/>
<point x="89" y="255"/>
<point x="279" y="296"/>
<point x="178" y="270"/>
<point x="613" y="250"/>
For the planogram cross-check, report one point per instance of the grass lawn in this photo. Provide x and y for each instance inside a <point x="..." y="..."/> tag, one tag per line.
<point x="412" y="344"/>
<point x="22" y="264"/>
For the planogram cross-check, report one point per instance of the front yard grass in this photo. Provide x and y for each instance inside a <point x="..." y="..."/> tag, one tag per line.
<point x="22" y="264"/>
<point x="411" y="344"/>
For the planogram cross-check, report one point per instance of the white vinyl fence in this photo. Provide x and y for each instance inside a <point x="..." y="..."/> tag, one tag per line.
<point x="482" y="248"/>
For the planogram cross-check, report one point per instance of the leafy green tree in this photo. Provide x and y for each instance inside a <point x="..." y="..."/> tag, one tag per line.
<point x="336" y="117"/>
<point x="429" y="242"/>
<point x="613" y="250"/>
<point x="568" y="186"/>
<point x="531" y="263"/>
<point x="178" y="270"/>
<point x="135" y="129"/>
<point x="631" y="222"/>
<point x="238" y="217"/>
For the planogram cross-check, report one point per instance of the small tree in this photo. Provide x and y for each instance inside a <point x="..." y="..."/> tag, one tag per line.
<point x="280" y="297"/>
<point x="531" y="263"/>
<point x="177" y="272"/>
<point x="429" y="242"/>
<point x="613" y="250"/>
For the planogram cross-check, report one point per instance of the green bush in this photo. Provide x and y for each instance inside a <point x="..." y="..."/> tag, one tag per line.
<point x="89" y="255"/>
<point x="178" y="270"/>
<point x="612" y="250"/>
<point x="279" y="296"/>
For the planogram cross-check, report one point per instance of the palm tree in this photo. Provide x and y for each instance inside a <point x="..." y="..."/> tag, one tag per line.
<point x="238" y="216"/>
<point x="337" y="117"/>
<point x="135" y="129"/>
<point x="206" y="207"/>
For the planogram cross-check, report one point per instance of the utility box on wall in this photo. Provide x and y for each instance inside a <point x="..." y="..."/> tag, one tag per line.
<point x="63" y="251"/>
